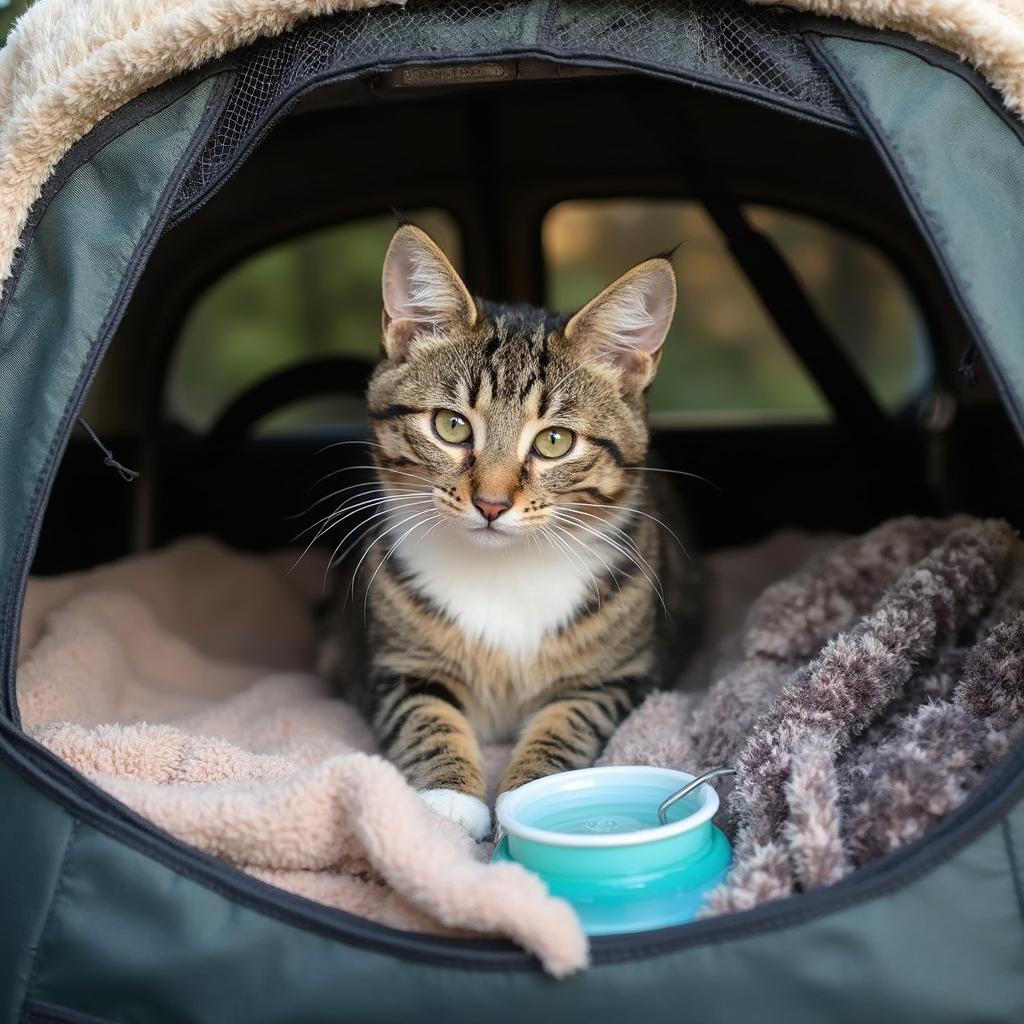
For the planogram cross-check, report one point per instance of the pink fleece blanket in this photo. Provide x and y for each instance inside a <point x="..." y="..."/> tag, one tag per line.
<point x="180" y="683"/>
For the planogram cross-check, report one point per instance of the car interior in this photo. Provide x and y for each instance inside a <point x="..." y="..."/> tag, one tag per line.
<point x="785" y="399"/>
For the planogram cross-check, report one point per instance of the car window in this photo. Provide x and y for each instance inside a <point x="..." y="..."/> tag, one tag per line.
<point x="313" y="296"/>
<point x="724" y="359"/>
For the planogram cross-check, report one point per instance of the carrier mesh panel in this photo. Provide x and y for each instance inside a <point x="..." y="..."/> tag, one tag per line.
<point x="719" y="42"/>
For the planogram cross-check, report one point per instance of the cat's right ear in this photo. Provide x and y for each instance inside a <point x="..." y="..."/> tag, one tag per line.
<point x="423" y="295"/>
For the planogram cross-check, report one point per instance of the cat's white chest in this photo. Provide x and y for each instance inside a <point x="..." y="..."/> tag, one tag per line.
<point x="504" y="597"/>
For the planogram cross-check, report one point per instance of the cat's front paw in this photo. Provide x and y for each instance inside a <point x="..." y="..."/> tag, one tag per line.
<point x="469" y="811"/>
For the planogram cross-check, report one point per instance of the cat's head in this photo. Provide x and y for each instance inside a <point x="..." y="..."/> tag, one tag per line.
<point x="503" y="420"/>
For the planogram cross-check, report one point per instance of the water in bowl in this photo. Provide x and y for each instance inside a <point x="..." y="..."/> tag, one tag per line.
<point x="609" y="817"/>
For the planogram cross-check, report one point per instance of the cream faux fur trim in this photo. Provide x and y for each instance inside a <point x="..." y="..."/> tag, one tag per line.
<point x="69" y="63"/>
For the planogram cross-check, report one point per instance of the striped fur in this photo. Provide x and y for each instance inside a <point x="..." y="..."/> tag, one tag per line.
<point x="546" y="625"/>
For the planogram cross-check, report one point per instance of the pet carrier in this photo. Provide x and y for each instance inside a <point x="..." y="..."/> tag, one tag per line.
<point x="145" y="148"/>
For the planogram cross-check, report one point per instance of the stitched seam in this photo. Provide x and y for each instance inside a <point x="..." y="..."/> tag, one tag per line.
<point x="40" y="941"/>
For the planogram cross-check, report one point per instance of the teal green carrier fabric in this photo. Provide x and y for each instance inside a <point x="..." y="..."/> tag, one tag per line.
<point x="107" y="919"/>
<point x="106" y="929"/>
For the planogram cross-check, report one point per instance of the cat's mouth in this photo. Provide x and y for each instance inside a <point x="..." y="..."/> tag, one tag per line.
<point x="491" y="535"/>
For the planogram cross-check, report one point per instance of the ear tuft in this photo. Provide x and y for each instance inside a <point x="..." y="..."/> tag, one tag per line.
<point x="628" y="322"/>
<point x="422" y="292"/>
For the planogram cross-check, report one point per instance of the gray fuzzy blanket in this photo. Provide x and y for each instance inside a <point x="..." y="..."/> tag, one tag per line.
<point x="861" y="702"/>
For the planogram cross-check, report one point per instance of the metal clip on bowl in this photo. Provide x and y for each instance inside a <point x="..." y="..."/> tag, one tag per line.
<point x="714" y="773"/>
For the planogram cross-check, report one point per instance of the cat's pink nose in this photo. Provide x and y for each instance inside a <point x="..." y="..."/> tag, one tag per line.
<point x="490" y="509"/>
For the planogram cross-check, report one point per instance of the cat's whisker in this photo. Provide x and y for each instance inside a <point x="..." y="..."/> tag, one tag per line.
<point x="561" y="548"/>
<point x="344" y="510"/>
<point x="613" y="572"/>
<point x="370" y="478"/>
<point x="333" y="494"/>
<point x="411" y="476"/>
<point x="624" y="539"/>
<point x="590" y="572"/>
<point x="673" y="472"/>
<point x="338" y="444"/>
<point x="334" y="519"/>
<point x="631" y="549"/>
<point x="369" y="520"/>
<point x="370" y="488"/>
<point x="396" y="504"/>
<point x="394" y="547"/>
<point x="378" y="469"/>
<point x="634" y="511"/>
<point x="652" y="579"/>
<point x="377" y="540"/>
<point x="337" y="559"/>
<point x="623" y="536"/>
<point x="630" y="554"/>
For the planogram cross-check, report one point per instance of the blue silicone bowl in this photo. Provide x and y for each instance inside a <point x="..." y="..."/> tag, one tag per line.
<point x="594" y="837"/>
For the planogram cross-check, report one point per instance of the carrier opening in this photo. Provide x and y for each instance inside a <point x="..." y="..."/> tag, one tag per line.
<point x="810" y="412"/>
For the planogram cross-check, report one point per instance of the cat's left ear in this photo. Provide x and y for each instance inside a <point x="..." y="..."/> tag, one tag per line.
<point x="627" y="323"/>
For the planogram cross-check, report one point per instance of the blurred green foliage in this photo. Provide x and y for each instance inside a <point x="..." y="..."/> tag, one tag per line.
<point x="315" y="296"/>
<point x="723" y="353"/>
<point x="320" y="294"/>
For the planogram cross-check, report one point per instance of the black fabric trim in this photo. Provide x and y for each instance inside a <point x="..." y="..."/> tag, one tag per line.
<point x="1015" y="869"/>
<point x="54" y="892"/>
<point x="576" y="59"/>
<point x="914" y="205"/>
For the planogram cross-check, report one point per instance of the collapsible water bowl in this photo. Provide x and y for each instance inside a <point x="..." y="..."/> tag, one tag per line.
<point x="631" y="848"/>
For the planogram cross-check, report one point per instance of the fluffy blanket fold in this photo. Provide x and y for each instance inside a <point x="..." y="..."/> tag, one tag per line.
<point x="869" y="694"/>
<point x="862" y="700"/>
<point x="178" y="682"/>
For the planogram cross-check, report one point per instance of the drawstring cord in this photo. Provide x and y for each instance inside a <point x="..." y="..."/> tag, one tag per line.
<point x="967" y="361"/>
<point x="127" y="475"/>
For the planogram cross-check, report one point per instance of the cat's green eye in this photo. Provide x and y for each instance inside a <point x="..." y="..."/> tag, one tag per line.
<point x="553" y="442"/>
<point x="452" y="427"/>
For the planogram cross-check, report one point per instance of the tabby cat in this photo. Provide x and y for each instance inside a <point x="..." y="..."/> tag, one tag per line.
<point x="522" y="581"/>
